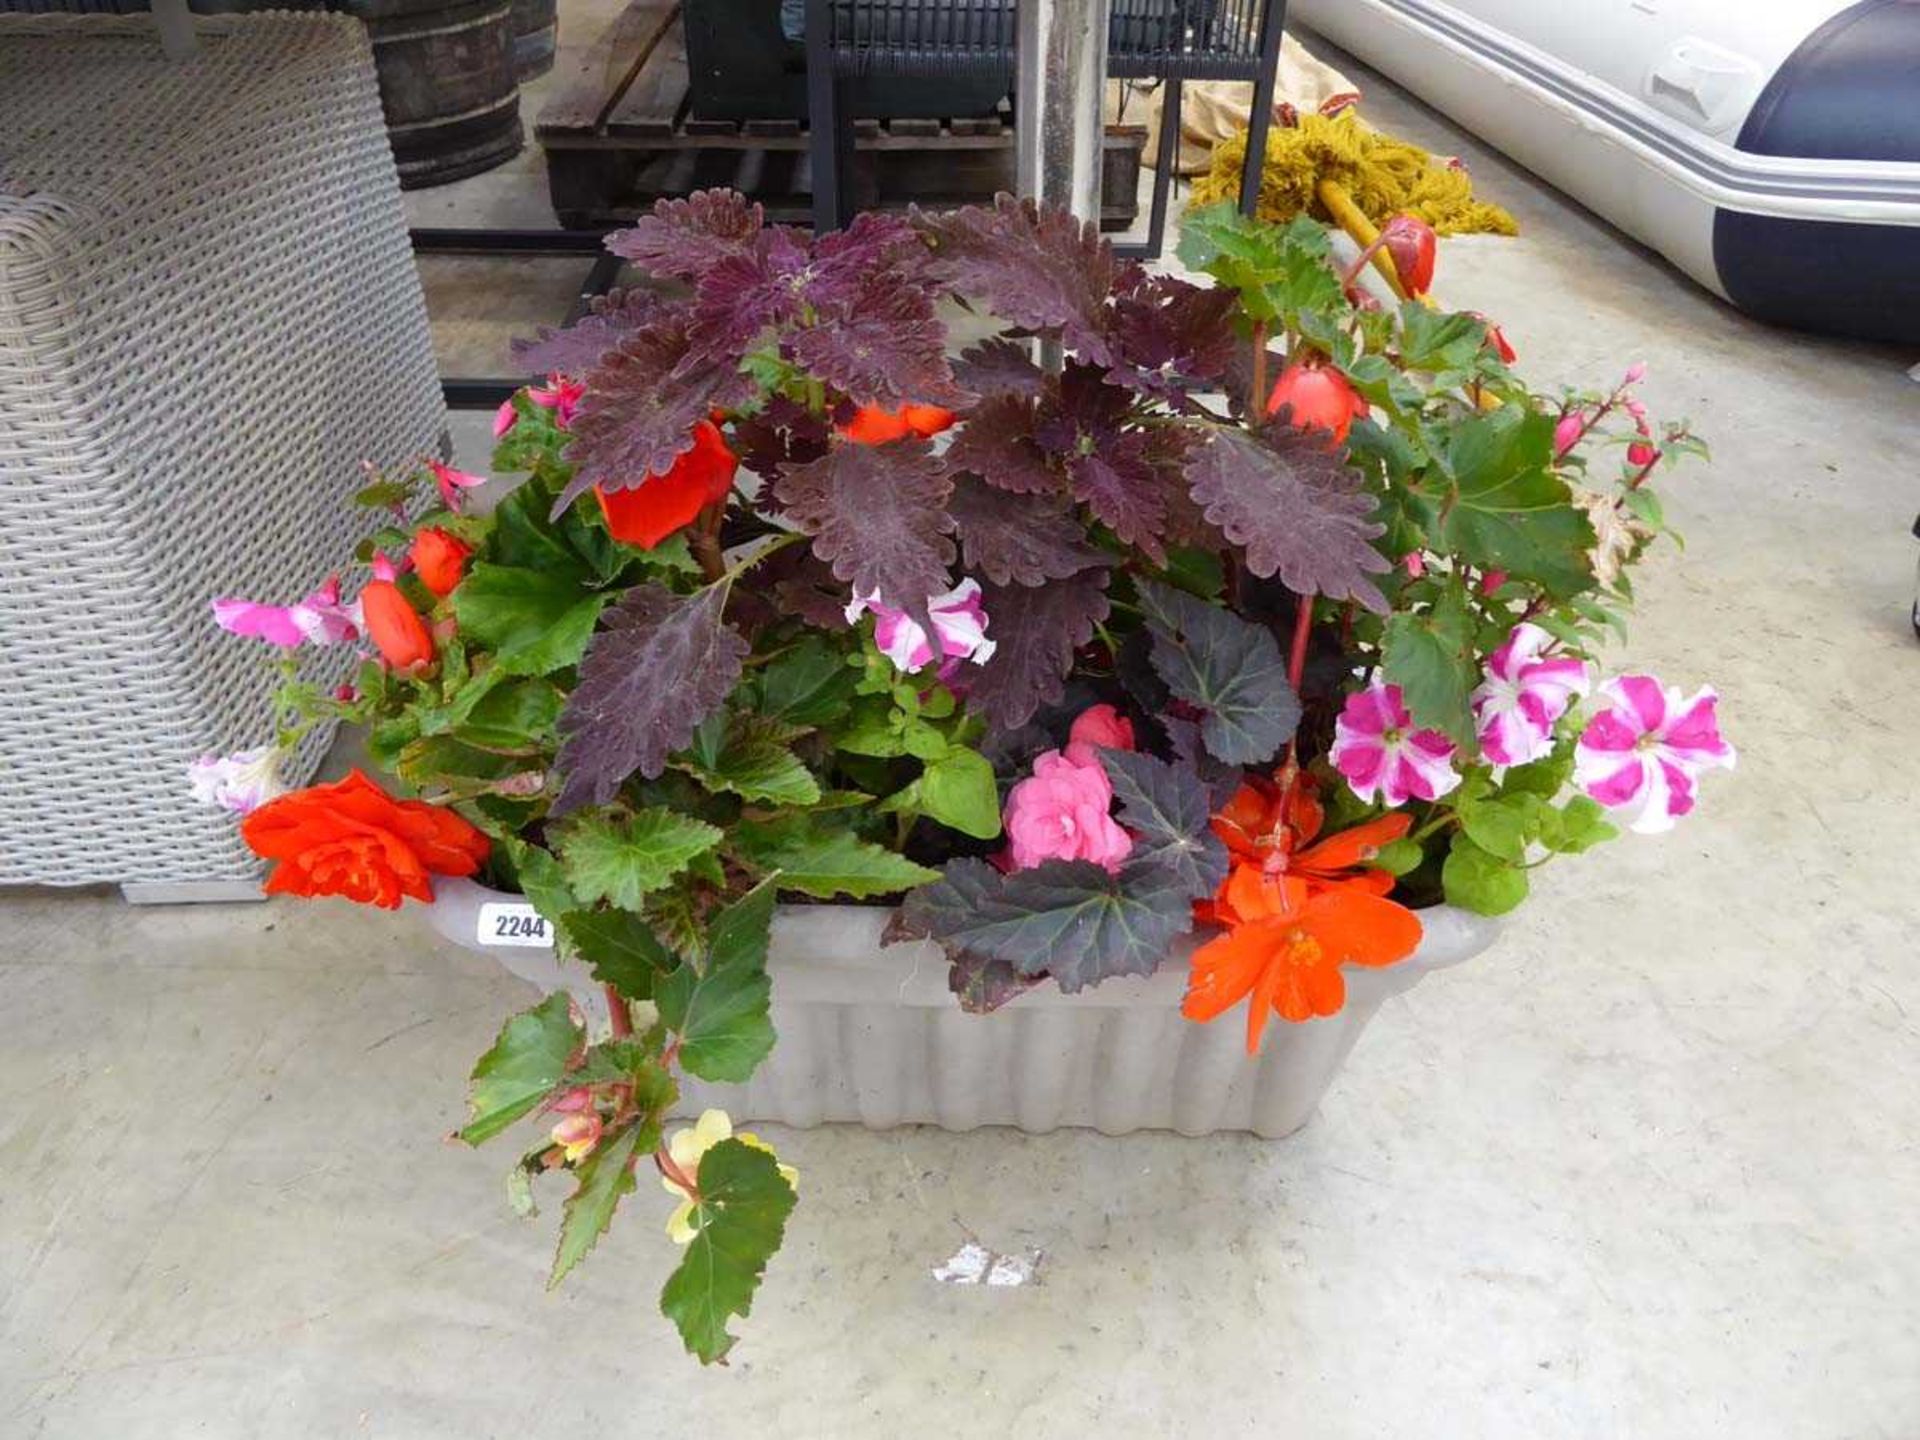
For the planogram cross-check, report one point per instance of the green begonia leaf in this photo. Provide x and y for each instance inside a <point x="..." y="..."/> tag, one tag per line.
<point x="525" y="1064"/>
<point x="740" y="1221"/>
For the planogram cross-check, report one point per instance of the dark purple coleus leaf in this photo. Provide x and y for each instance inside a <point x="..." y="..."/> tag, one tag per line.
<point x="884" y="346"/>
<point x="1110" y="469"/>
<point x="740" y="295"/>
<point x="1297" y="509"/>
<point x="843" y="259"/>
<point x="575" y="349"/>
<point x="1001" y="367"/>
<point x="1035" y="630"/>
<point x="782" y="432"/>
<point x="996" y="443"/>
<point x="686" y="238"/>
<point x="1039" y="269"/>
<point x="1066" y="918"/>
<point x="1170" y="337"/>
<point x="639" y="410"/>
<point x="878" y="516"/>
<point x="1018" y="539"/>
<point x="660" y="664"/>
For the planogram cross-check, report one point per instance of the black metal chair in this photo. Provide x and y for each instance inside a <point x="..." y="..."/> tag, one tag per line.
<point x="1172" y="41"/>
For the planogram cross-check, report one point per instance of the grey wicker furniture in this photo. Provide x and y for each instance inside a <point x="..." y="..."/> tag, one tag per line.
<point x="209" y="318"/>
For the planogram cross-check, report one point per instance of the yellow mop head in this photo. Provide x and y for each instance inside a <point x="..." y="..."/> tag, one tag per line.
<point x="1385" y="176"/>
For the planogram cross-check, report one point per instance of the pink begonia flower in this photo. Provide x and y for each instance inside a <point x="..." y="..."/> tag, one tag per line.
<point x="1061" y="812"/>
<point x="383" y="567"/>
<point x="240" y="783"/>
<point x="562" y="396"/>
<point x="577" y="1135"/>
<point x="320" y="619"/>
<point x="1641" y="754"/>
<point x="1097" y="728"/>
<point x="959" y="620"/>
<point x="1523" y="695"/>
<point x="452" y="482"/>
<point x="504" y="418"/>
<point x="1491" y="581"/>
<point x="1383" y="757"/>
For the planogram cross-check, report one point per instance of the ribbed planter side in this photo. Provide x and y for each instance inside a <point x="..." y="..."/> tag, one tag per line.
<point x="870" y="1035"/>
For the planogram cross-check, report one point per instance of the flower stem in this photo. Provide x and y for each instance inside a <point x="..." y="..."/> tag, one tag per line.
<point x="1257" y="401"/>
<point x="1297" y="654"/>
<point x="704" y="541"/>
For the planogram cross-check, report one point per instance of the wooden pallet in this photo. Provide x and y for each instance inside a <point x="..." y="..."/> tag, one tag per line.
<point x="618" y="136"/>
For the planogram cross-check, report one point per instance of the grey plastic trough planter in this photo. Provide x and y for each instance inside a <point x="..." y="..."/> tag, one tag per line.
<point x="872" y="1036"/>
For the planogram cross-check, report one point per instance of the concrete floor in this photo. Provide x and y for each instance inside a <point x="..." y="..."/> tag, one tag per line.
<point x="1648" y="1169"/>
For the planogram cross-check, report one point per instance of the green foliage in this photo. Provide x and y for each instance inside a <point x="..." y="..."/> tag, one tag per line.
<point x="740" y="1220"/>
<point x="1430" y="655"/>
<point x="1477" y="879"/>
<point x="717" y="1008"/>
<point x="535" y="621"/>
<point x="752" y="760"/>
<point x="622" y="861"/>
<point x="1281" y="272"/>
<point x="605" y="1177"/>
<point x="826" y="860"/>
<point x="620" y="948"/>
<point x="523" y="1067"/>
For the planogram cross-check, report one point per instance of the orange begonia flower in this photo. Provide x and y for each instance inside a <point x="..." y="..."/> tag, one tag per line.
<point x="439" y="559"/>
<point x="353" y="839"/>
<point x="871" y="425"/>
<point x="1290" y="961"/>
<point x="394" y="626"/>
<point x="1295" y="911"/>
<point x="661" y="505"/>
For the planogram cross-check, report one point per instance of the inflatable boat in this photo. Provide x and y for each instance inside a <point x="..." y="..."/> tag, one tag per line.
<point x="1769" y="148"/>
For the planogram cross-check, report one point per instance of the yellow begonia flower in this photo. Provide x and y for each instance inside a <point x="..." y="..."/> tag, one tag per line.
<point x="685" y="1150"/>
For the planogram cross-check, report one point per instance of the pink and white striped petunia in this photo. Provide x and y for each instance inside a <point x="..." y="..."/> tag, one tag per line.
<point x="320" y="619"/>
<point x="1383" y="757"/>
<point x="452" y="482"/>
<point x="1643" y="752"/>
<point x="562" y="396"/>
<point x="959" y="620"/>
<point x="1523" y="695"/>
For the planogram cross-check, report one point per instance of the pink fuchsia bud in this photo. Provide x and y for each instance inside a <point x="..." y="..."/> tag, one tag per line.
<point x="577" y="1135"/>
<point x="1097" y="728"/>
<point x="384" y="568"/>
<point x="1636" y="372"/>
<point x="504" y="418"/>
<point x="345" y="694"/>
<point x="1413" y="563"/>
<point x="1413" y="246"/>
<point x="1640" y="454"/>
<point x="1061" y="812"/>
<point x="1491" y="581"/>
<point x="1567" y="433"/>
<point x="1643" y="752"/>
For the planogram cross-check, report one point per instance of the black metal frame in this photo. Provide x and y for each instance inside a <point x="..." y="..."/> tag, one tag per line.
<point x="832" y="64"/>
<point x="489" y="392"/>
